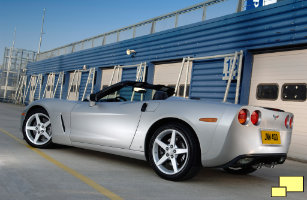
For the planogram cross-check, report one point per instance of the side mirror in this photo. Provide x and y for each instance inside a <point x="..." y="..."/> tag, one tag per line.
<point x="90" y="99"/>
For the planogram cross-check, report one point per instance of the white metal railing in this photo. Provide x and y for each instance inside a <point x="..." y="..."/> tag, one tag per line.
<point x="140" y="76"/>
<point x="90" y="80"/>
<point x="150" y="26"/>
<point x="174" y="19"/>
<point x="235" y="56"/>
<point x="140" y="72"/>
<point x="37" y="79"/>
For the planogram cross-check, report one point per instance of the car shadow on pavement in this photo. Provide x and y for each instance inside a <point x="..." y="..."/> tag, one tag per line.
<point x="104" y="157"/>
<point x="218" y="174"/>
<point x="204" y="175"/>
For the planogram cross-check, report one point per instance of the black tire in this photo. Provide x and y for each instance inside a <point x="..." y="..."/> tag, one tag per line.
<point x="240" y="170"/>
<point x="189" y="163"/>
<point x="43" y="142"/>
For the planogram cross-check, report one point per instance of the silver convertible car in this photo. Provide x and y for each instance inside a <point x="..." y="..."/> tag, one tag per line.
<point x="175" y="135"/>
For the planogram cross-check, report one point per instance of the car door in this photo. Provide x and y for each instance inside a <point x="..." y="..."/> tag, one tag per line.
<point x="111" y="124"/>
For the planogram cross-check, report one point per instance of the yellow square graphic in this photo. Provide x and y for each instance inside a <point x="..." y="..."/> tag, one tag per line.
<point x="279" y="191"/>
<point x="293" y="183"/>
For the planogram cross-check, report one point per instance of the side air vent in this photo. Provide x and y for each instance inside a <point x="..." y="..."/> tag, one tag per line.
<point x="63" y="125"/>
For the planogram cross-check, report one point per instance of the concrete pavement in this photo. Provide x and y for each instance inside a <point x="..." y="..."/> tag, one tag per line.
<point x="24" y="174"/>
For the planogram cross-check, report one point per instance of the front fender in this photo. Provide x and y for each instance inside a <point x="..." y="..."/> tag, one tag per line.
<point x="59" y="114"/>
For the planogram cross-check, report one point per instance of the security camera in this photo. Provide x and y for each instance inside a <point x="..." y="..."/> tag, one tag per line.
<point x="130" y="52"/>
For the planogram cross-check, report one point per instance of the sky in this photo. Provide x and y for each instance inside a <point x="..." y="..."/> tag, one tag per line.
<point x="68" y="21"/>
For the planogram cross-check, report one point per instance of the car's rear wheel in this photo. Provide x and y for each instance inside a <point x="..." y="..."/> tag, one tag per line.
<point x="174" y="152"/>
<point x="37" y="129"/>
<point x="240" y="170"/>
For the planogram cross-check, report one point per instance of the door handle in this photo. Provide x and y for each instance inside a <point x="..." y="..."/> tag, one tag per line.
<point x="144" y="106"/>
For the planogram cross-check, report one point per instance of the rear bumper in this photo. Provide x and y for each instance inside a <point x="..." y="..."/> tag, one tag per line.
<point x="243" y="140"/>
<point x="256" y="159"/>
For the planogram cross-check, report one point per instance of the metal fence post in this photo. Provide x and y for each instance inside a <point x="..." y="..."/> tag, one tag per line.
<point x="239" y="78"/>
<point x="176" y="20"/>
<point x="133" y="34"/>
<point x="204" y="12"/>
<point x="153" y="27"/>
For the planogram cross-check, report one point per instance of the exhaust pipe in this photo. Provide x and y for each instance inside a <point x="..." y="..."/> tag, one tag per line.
<point x="272" y="165"/>
<point x="260" y="165"/>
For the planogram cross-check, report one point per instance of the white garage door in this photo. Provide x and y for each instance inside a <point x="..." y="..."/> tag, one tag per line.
<point x="74" y="86"/>
<point x="279" y="81"/>
<point x="32" y="88"/>
<point x="167" y="74"/>
<point x="50" y="86"/>
<point x="107" y="75"/>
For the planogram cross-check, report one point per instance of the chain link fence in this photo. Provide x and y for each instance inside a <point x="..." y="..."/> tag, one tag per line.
<point x="14" y="65"/>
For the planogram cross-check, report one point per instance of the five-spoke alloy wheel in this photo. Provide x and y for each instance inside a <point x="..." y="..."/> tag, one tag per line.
<point x="37" y="129"/>
<point x="174" y="152"/>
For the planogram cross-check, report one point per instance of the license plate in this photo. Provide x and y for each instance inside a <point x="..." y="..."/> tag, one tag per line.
<point x="270" y="137"/>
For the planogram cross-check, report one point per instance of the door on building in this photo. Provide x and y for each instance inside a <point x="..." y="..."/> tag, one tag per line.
<point x="74" y="86"/>
<point x="168" y="73"/>
<point x="279" y="81"/>
<point x="107" y="76"/>
<point x="50" y="86"/>
<point x="32" y="88"/>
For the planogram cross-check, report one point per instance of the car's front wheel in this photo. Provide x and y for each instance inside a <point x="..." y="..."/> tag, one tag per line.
<point x="37" y="129"/>
<point x="174" y="152"/>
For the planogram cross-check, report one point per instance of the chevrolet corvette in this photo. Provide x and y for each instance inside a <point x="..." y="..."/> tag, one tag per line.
<point x="175" y="135"/>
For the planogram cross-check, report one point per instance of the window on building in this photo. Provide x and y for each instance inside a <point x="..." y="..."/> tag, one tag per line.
<point x="74" y="88"/>
<point x="294" y="92"/>
<point x="95" y="77"/>
<point x="267" y="91"/>
<point x="104" y="86"/>
<point x="64" y="79"/>
<point x="181" y="90"/>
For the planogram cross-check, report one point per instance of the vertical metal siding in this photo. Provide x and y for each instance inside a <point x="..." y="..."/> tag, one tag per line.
<point x="84" y="77"/>
<point x="207" y="83"/>
<point x="65" y="86"/>
<point x="44" y="83"/>
<point x="279" y="24"/>
<point x="128" y="74"/>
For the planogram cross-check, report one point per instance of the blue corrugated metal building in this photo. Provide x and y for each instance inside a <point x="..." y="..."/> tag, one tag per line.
<point x="279" y="26"/>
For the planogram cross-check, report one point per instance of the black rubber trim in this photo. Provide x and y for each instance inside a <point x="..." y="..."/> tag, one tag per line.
<point x="117" y="86"/>
<point x="63" y="125"/>
<point x="273" y="109"/>
<point x="258" y="158"/>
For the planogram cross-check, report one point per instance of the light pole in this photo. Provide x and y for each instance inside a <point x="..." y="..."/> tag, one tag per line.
<point x="42" y="32"/>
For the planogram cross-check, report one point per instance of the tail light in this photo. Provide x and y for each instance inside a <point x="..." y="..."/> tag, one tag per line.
<point x="255" y="117"/>
<point x="242" y="116"/>
<point x="291" y="122"/>
<point x="287" y="122"/>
